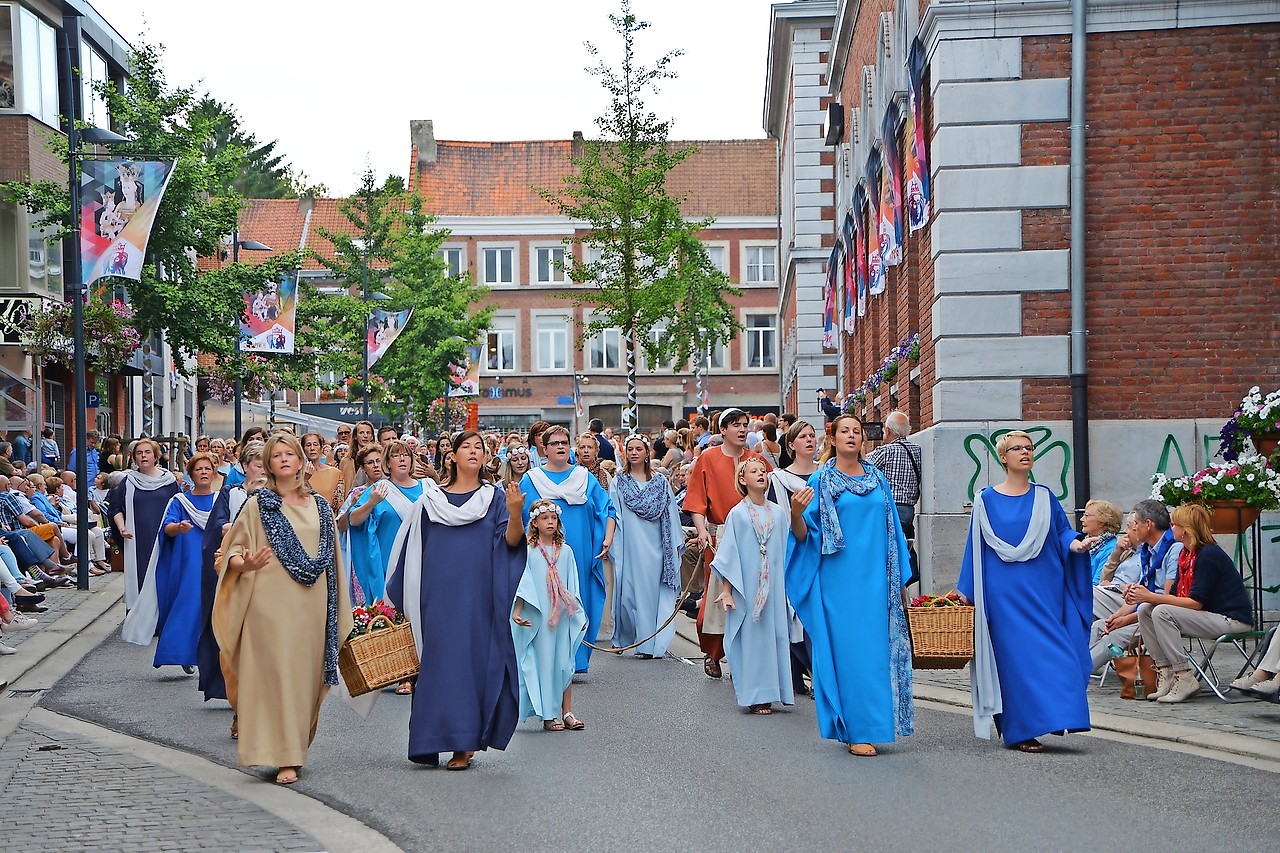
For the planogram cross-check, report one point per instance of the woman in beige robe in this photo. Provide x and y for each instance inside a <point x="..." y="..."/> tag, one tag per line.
<point x="272" y="628"/>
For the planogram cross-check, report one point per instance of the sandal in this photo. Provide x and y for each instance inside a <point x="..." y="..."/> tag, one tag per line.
<point x="1032" y="745"/>
<point x="460" y="761"/>
<point x="404" y="688"/>
<point x="572" y="723"/>
<point x="763" y="709"/>
<point x="98" y="571"/>
<point x="235" y="726"/>
<point x="287" y="776"/>
<point x="552" y="726"/>
<point x="862" y="750"/>
<point x="711" y="667"/>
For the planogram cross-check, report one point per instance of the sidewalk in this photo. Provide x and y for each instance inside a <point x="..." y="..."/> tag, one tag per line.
<point x="1242" y="727"/>
<point x="131" y="795"/>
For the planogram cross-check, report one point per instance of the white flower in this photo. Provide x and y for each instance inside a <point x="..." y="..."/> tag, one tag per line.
<point x="1251" y="478"/>
<point x="1230" y="487"/>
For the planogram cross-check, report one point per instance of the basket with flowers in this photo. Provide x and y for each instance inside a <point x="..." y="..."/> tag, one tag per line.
<point x="941" y="629"/>
<point x="379" y="650"/>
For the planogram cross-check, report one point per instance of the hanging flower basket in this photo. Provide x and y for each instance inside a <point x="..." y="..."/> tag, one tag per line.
<point x="1266" y="442"/>
<point x="110" y="338"/>
<point x="1232" y="517"/>
<point x="1257" y="418"/>
<point x="1243" y="489"/>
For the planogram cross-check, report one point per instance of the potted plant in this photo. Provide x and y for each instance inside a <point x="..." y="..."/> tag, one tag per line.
<point x="110" y="338"/>
<point x="1257" y="418"/>
<point x="1235" y="492"/>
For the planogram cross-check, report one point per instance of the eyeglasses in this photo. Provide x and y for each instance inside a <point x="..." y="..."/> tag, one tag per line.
<point x="557" y="444"/>
<point x="371" y="462"/>
<point x="1019" y="448"/>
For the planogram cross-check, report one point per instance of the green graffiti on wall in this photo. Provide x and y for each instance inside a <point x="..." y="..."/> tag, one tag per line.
<point x="1056" y="451"/>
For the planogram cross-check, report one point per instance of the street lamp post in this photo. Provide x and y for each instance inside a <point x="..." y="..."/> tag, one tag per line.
<point x="253" y="246"/>
<point x="364" y="336"/>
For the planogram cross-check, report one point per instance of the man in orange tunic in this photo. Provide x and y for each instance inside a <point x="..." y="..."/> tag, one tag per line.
<point x="711" y="494"/>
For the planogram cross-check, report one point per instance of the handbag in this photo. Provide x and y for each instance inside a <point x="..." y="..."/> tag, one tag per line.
<point x="1130" y="665"/>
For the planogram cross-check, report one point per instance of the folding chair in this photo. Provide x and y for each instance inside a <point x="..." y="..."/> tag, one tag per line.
<point x="1204" y="666"/>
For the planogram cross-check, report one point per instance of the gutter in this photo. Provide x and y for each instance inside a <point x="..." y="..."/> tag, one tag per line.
<point x="1079" y="364"/>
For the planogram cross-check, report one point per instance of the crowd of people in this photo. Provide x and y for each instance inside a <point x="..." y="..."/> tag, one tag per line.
<point x="514" y="556"/>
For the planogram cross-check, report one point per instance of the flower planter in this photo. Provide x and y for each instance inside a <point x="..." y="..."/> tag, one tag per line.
<point x="1266" y="442"/>
<point x="1232" y="517"/>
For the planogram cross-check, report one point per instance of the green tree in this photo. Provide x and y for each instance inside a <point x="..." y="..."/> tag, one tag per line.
<point x="263" y="173"/>
<point x="651" y="267"/>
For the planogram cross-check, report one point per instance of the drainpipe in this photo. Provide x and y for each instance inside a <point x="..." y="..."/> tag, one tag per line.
<point x="1079" y="366"/>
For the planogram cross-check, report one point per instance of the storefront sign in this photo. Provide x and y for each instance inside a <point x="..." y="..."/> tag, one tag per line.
<point x="15" y="318"/>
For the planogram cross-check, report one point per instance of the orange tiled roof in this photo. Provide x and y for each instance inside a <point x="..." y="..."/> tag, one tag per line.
<point x="736" y="177"/>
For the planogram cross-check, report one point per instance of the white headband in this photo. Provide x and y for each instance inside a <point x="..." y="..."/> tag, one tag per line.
<point x="537" y="511"/>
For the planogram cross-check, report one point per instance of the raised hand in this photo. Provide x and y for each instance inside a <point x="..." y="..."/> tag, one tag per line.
<point x="515" y="499"/>
<point x="800" y="500"/>
<point x="256" y="560"/>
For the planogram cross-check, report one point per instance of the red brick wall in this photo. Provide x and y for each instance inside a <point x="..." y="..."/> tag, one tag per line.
<point x="23" y="151"/>
<point x="1182" y="217"/>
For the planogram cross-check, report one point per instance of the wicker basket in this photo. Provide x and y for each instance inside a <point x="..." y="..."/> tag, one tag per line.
<point x="381" y="656"/>
<point x="941" y="637"/>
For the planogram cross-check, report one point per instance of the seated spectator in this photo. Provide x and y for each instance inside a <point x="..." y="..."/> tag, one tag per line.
<point x="1266" y="678"/>
<point x="1100" y="524"/>
<point x="66" y="506"/>
<point x="34" y="519"/>
<point x="1208" y="600"/>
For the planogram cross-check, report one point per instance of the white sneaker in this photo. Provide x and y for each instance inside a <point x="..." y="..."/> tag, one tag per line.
<point x="25" y="619"/>
<point x="14" y="627"/>
<point x="7" y="650"/>
<point x="1164" y="683"/>
<point x="1184" y="687"/>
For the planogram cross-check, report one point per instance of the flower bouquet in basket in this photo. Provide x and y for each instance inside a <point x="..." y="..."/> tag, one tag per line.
<point x="379" y="650"/>
<point x="941" y="629"/>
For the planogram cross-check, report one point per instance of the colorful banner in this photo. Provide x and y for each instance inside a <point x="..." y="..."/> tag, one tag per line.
<point x="918" y="193"/>
<point x="860" y="246"/>
<point x="829" y="309"/>
<point x="875" y="247"/>
<point x="118" y="204"/>
<point x="466" y="379"/>
<point x="850" y="274"/>
<point x="891" y="190"/>
<point x="577" y="397"/>
<point x="384" y="328"/>
<point x="270" y="315"/>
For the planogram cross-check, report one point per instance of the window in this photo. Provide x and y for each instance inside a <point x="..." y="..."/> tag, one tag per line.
<point x="719" y="258"/>
<point x="715" y="357"/>
<point x="44" y="262"/>
<point x="761" y="264"/>
<point x="553" y="344"/>
<point x="655" y="337"/>
<point x="762" y="341"/>
<point x="7" y="87"/>
<point x="38" y="75"/>
<point x="453" y="262"/>
<point x="550" y="265"/>
<point x="500" y="345"/>
<point x="93" y="71"/>
<point x="604" y="350"/>
<point x="499" y="266"/>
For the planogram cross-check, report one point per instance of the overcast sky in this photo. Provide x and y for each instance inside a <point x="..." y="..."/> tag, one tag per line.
<point x="337" y="82"/>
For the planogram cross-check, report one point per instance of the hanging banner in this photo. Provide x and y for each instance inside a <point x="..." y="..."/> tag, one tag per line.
<point x="118" y="204"/>
<point x="918" y="194"/>
<point x="850" y="272"/>
<point x="829" y="308"/>
<point x="875" y="245"/>
<point x="860" y="246"/>
<point x="577" y="397"/>
<point x="270" y="315"/>
<point x="384" y="328"/>
<point x="465" y="379"/>
<point x="891" y="190"/>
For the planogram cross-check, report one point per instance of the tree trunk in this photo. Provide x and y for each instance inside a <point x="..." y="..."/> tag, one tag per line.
<point x="630" y="411"/>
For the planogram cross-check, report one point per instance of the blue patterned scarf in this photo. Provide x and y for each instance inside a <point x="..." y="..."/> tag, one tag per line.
<point x="304" y="568"/>
<point x="652" y="502"/>
<point x="832" y="482"/>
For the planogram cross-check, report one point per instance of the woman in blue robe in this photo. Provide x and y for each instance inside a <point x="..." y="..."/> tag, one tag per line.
<point x="1027" y="573"/>
<point x="358" y="545"/>
<point x="377" y="514"/>
<point x="455" y="576"/>
<point x="589" y="520"/>
<point x="846" y="569"/>
<point x="137" y="506"/>
<point x="647" y="547"/>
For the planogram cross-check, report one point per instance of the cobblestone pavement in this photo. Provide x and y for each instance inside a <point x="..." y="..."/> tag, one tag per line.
<point x="115" y="801"/>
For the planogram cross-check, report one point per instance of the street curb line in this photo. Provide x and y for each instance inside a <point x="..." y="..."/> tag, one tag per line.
<point x="335" y="830"/>
<point x="51" y="637"/>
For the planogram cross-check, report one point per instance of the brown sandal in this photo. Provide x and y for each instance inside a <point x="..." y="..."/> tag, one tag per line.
<point x="460" y="761"/>
<point x="404" y="688"/>
<point x="552" y="726"/>
<point x="1032" y="745"/>
<point x="711" y="667"/>
<point x="235" y="726"/>
<point x="862" y="750"/>
<point x="287" y="776"/>
<point x="763" y="709"/>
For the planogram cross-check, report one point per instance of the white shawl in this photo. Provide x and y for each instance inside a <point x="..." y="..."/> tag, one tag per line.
<point x="134" y="481"/>
<point x="572" y="491"/>
<point x="140" y="623"/>
<point x="984" y="680"/>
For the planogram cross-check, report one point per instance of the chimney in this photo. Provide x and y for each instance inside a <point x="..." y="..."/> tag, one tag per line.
<point x="576" y="150"/>
<point x="422" y="136"/>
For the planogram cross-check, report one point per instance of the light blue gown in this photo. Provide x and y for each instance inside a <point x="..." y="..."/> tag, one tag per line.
<point x="178" y="592"/>
<point x="842" y="601"/>
<point x="546" y="656"/>
<point x="371" y="542"/>
<point x="759" y="653"/>
<point x="641" y="602"/>
<point x="584" y="527"/>
<point x="1038" y="612"/>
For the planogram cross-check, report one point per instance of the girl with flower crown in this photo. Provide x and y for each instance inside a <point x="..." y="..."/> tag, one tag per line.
<point x="549" y="623"/>
<point x="750" y="560"/>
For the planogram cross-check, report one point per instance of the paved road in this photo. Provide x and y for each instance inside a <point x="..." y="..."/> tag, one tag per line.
<point x="667" y="761"/>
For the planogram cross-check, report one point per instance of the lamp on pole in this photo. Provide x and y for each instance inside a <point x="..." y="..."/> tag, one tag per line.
<point x="251" y="246"/>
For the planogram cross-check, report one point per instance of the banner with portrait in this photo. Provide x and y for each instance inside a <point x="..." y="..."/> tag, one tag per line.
<point x="891" y="190"/>
<point x="118" y="204"/>
<point x="270" y="316"/>
<point x="875" y="248"/>
<point x="465" y="378"/>
<point x="384" y="328"/>
<point x="829" y="304"/>
<point x="850" y="272"/>
<point x="860" y="246"/>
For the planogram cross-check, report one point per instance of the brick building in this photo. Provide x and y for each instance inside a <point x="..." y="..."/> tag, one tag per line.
<point x="1175" y="285"/>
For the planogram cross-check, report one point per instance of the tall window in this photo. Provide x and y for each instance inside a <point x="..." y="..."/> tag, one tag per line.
<point x="762" y="264"/>
<point x="452" y="258"/>
<point x="604" y="350"/>
<point x="655" y="336"/>
<point x="762" y="340"/>
<point x="500" y="349"/>
<point x="7" y="88"/>
<point x="499" y="264"/>
<point x="93" y="71"/>
<point x="719" y="258"/>
<point x="715" y="357"/>
<point x="551" y="265"/>
<point x="38" y="75"/>
<point x="552" y="344"/>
